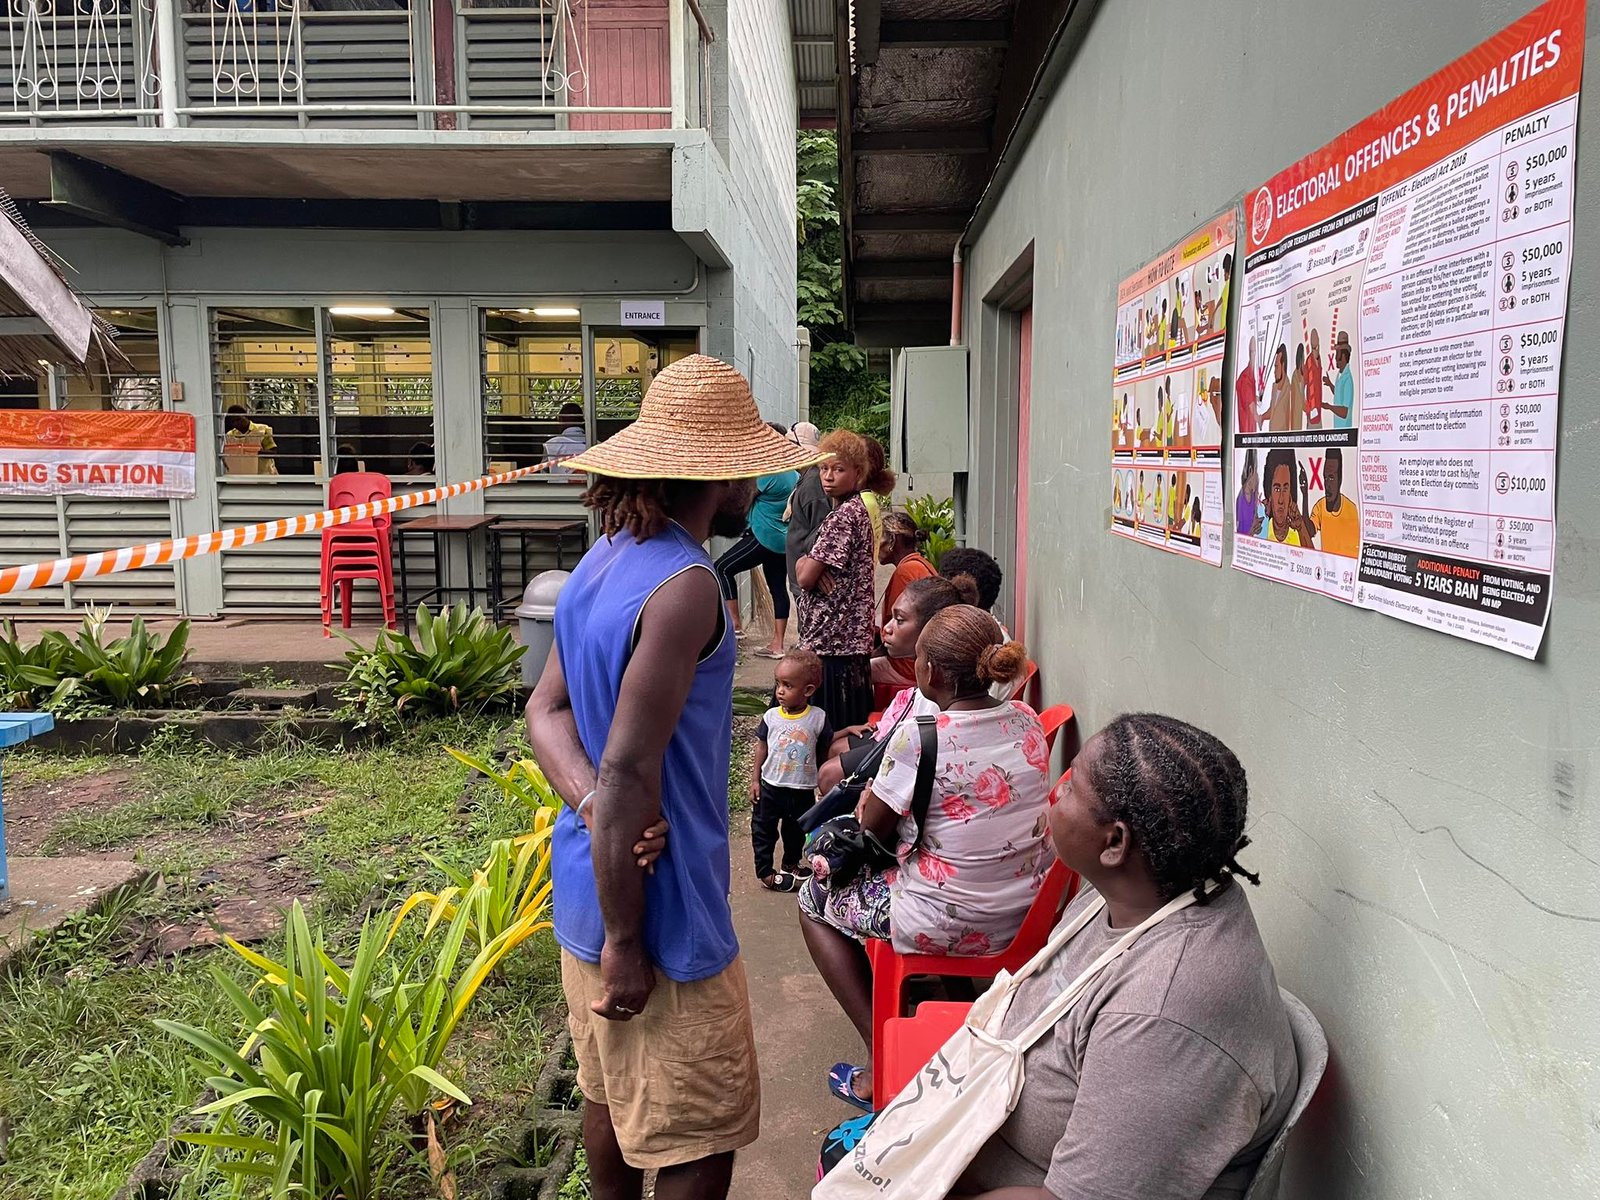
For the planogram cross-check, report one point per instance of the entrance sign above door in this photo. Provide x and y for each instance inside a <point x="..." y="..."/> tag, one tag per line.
<point x="644" y="312"/>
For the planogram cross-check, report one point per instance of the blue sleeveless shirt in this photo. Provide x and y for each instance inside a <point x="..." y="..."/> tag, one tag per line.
<point x="688" y="922"/>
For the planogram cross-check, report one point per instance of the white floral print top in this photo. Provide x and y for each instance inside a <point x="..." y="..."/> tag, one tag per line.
<point x="965" y="889"/>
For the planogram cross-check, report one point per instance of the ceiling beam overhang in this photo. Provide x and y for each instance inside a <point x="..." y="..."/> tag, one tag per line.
<point x="939" y="35"/>
<point x="937" y="221"/>
<point x="905" y="268"/>
<point x="923" y="141"/>
<point x="105" y="196"/>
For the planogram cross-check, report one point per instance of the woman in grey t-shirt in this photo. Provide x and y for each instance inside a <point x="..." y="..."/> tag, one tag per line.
<point x="1175" y="1069"/>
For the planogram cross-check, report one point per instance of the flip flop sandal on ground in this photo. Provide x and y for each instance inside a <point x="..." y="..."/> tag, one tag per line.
<point x="841" y="1082"/>
<point x="765" y="653"/>
<point x="781" y="881"/>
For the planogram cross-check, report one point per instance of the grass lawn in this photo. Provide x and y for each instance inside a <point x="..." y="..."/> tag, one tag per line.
<point x="87" y="1083"/>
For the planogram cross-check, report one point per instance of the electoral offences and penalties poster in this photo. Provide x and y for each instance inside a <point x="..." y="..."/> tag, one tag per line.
<point x="1166" y="395"/>
<point x="1397" y="362"/>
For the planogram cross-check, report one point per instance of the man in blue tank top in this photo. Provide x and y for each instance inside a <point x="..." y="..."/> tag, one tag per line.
<point x="632" y="722"/>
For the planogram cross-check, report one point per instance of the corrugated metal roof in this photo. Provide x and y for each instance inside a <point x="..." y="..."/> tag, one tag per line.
<point x="813" y="63"/>
<point x="811" y="18"/>
<point x="818" y="97"/>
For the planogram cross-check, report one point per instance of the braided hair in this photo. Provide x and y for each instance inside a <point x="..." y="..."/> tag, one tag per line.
<point x="641" y="506"/>
<point x="1181" y="792"/>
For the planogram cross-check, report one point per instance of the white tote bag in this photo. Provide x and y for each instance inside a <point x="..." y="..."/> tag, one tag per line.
<point x="924" y="1140"/>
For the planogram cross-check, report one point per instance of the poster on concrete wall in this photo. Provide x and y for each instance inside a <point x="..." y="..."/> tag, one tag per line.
<point x="1166" y="396"/>
<point x="1399" y="347"/>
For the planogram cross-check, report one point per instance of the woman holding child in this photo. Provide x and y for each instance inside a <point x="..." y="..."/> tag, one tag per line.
<point x="963" y="882"/>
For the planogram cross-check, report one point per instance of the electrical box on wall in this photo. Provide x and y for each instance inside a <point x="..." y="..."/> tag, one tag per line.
<point x="928" y="422"/>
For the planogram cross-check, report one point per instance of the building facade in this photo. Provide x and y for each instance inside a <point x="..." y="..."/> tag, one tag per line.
<point x="390" y="234"/>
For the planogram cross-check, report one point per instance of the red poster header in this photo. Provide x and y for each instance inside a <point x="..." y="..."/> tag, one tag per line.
<point x="1527" y="66"/>
<point x="1215" y="233"/>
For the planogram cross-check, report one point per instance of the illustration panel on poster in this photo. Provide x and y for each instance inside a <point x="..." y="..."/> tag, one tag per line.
<point x="1166" y="396"/>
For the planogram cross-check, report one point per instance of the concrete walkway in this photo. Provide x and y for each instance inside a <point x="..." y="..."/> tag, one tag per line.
<point x="800" y="1033"/>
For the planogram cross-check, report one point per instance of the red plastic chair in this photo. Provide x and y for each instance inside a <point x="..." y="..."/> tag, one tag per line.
<point x="891" y="970"/>
<point x="357" y="549"/>
<point x="909" y="1043"/>
<point x="1054" y="719"/>
<point x="1024" y="686"/>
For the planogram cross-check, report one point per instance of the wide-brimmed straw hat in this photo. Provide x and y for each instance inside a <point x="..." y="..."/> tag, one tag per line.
<point x="698" y="421"/>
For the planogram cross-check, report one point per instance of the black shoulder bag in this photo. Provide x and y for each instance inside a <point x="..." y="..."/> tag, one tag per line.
<point x="841" y="851"/>
<point x="843" y="797"/>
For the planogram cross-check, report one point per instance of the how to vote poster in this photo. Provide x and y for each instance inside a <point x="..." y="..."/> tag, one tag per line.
<point x="1166" y="396"/>
<point x="1397" y="362"/>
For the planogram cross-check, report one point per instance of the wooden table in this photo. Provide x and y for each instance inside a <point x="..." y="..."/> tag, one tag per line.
<point x="16" y="728"/>
<point x="441" y="529"/>
<point x="549" y="529"/>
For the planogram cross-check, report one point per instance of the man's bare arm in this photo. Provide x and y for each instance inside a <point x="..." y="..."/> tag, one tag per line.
<point x="676" y="625"/>
<point x="553" y="735"/>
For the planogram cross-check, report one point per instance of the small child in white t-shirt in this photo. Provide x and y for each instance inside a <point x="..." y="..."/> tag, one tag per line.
<point x="790" y="743"/>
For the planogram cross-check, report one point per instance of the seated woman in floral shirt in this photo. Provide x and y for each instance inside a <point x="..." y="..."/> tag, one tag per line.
<point x="966" y="884"/>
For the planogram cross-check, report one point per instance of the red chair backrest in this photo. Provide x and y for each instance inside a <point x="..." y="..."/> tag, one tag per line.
<point x="1055" y="792"/>
<point x="360" y="487"/>
<point x="1055" y="893"/>
<point x="1019" y="690"/>
<point x="1053" y="718"/>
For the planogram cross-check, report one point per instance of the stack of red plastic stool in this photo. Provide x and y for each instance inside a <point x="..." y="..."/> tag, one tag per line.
<point x="357" y="549"/>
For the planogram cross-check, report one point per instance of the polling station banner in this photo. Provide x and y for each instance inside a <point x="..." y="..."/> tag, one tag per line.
<point x="1398" y="353"/>
<point x="1166" y="395"/>
<point x="71" y="452"/>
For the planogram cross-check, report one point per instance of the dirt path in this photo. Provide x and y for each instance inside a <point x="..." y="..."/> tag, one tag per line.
<point x="238" y="873"/>
<point x="800" y="1033"/>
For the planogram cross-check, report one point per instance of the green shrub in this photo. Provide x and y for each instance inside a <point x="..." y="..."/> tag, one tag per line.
<point x="936" y="518"/>
<point x="331" y="1053"/>
<point x="137" y="670"/>
<point x="460" y="661"/>
<point x="27" y="673"/>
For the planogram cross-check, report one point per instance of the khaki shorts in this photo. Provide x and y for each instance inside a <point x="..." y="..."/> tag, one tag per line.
<point x="680" y="1078"/>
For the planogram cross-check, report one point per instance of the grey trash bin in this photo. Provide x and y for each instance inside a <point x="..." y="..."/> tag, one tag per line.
<point x="536" y="621"/>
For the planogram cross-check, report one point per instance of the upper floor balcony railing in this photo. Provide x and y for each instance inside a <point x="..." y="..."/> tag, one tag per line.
<point x="419" y="64"/>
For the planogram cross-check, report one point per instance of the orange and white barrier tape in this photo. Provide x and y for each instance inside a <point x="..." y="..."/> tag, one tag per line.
<point x="152" y="554"/>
